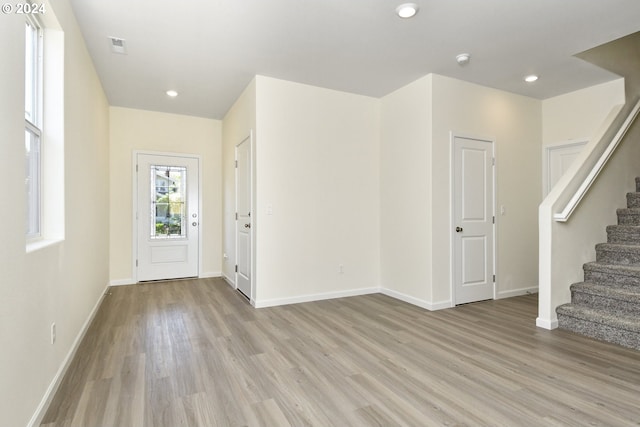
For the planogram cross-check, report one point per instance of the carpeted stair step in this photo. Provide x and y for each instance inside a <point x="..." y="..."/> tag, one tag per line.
<point x="629" y="216"/>
<point x="623" y="234"/>
<point x="613" y="299"/>
<point x="614" y="253"/>
<point x="598" y="324"/>
<point x="633" y="200"/>
<point x="614" y="274"/>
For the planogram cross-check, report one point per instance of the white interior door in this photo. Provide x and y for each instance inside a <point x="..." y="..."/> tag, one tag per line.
<point x="473" y="237"/>
<point x="167" y="217"/>
<point x="243" y="217"/>
<point x="557" y="159"/>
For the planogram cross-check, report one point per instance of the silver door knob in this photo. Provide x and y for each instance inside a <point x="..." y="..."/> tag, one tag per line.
<point x="458" y="229"/>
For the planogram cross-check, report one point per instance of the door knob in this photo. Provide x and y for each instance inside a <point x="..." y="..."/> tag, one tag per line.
<point x="458" y="229"/>
<point x="247" y="226"/>
<point x="194" y="223"/>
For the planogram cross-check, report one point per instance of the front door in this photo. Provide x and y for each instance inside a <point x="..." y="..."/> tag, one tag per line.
<point x="472" y="220"/>
<point x="167" y="217"/>
<point x="243" y="217"/>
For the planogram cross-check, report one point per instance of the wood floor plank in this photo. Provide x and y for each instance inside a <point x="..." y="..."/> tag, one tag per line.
<point x="195" y="353"/>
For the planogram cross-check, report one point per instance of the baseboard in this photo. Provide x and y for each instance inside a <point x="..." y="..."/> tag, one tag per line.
<point x="41" y="410"/>
<point x="314" y="297"/>
<point x="211" y="274"/>
<point x="546" y="323"/>
<point x="416" y="301"/>
<point x="122" y="282"/>
<point x="229" y="280"/>
<point x="517" y="292"/>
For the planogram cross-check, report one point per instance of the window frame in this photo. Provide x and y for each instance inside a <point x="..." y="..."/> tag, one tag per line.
<point x="33" y="79"/>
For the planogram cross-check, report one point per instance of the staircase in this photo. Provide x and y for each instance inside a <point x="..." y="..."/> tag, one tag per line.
<point x="606" y="306"/>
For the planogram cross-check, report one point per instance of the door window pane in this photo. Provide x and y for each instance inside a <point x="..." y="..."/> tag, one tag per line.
<point x="168" y="202"/>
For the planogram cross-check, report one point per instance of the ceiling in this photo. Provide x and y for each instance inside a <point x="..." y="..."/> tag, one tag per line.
<point x="209" y="50"/>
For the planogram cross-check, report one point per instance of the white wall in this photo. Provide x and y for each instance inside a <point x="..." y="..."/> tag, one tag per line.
<point x="238" y="124"/>
<point x="132" y="130"/>
<point x="317" y="163"/>
<point x="60" y="283"/>
<point x="405" y="193"/>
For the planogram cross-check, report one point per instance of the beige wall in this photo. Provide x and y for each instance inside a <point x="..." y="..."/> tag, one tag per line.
<point x="237" y="125"/>
<point x="317" y="162"/>
<point x="579" y="114"/>
<point x="405" y="193"/>
<point x="62" y="282"/>
<point x="566" y="246"/>
<point x="132" y="130"/>
<point x="417" y="122"/>
<point x="515" y="123"/>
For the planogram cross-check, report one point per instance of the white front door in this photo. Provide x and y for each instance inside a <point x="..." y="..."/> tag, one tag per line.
<point x="472" y="220"/>
<point x="243" y="217"/>
<point x="168" y="217"/>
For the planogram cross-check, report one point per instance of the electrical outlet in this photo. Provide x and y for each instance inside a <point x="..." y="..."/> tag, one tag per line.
<point x="53" y="333"/>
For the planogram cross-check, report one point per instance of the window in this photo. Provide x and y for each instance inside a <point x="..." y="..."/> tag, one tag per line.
<point x="33" y="126"/>
<point x="168" y="207"/>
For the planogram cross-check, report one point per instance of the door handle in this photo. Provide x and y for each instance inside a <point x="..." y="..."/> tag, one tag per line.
<point x="247" y="226"/>
<point x="458" y="229"/>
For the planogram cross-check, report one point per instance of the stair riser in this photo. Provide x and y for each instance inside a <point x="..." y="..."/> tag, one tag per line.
<point x="621" y="257"/>
<point x="628" y="219"/>
<point x="633" y="200"/>
<point x="600" y="331"/>
<point x="613" y="306"/>
<point x="623" y="237"/>
<point x="604" y="277"/>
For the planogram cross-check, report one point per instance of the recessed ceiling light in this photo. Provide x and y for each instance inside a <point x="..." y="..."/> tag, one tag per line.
<point x="407" y="10"/>
<point x="530" y="79"/>
<point x="172" y="93"/>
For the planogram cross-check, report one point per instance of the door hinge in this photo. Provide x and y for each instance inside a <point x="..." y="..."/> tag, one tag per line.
<point x="236" y="216"/>
<point x="236" y="163"/>
<point x="493" y="161"/>
<point x="236" y="268"/>
<point x="494" y="278"/>
<point x="136" y="168"/>
<point x="136" y="263"/>
<point x="494" y="219"/>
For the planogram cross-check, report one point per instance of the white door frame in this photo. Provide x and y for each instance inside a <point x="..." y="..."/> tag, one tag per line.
<point x="134" y="206"/>
<point x="252" y="295"/>
<point x="547" y="152"/>
<point x="452" y="220"/>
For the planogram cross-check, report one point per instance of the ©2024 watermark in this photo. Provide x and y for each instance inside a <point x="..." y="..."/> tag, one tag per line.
<point x="23" y="8"/>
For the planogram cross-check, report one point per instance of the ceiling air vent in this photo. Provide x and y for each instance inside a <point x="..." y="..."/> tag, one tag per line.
<point x="118" y="45"/>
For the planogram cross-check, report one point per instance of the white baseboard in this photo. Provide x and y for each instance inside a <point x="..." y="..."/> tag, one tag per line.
<point x="41" y="410"/>
<point x="314" y="297"/>
<point x="416" y="301"/>
<point x="517" y="292"/>
<point x="211" y="274"/>
<point x="122" y="282"/>
<point x="546" y="323"/>
<point x="229" y="280"/>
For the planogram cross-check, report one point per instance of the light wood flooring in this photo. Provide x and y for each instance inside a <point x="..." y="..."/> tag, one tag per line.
<point x="195" y="353"/>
